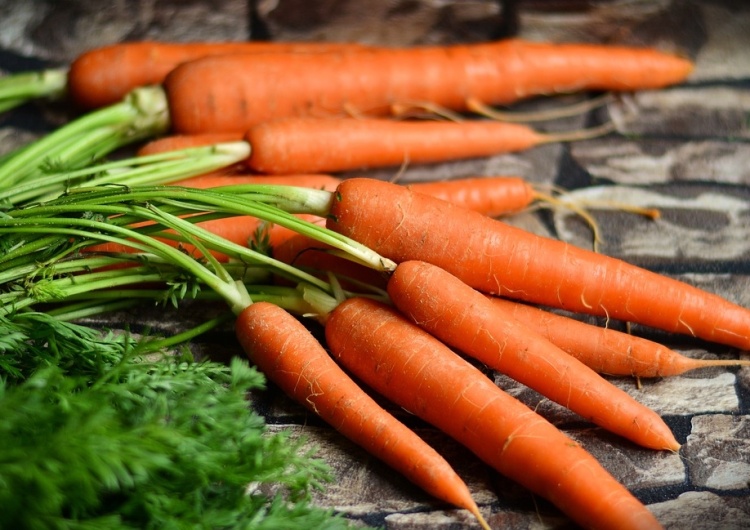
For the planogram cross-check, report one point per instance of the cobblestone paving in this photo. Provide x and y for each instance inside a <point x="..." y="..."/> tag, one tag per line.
<point x="683" y="150"/>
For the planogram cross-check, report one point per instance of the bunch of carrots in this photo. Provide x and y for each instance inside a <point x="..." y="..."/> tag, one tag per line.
<point x="405" y="322"/>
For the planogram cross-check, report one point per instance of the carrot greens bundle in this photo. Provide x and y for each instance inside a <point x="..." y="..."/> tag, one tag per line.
<point x="377" y="225"/>
<point x="405" y="280"/>
<point x="108" y="437"/>
<point x="106" y="215"/>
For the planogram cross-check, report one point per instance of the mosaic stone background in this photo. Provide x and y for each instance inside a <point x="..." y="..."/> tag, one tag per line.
<point x="683" y="150"/>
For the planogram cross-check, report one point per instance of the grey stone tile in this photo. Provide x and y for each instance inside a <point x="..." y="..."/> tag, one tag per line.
<point x="718" y="452"/>
<point x="685" y="395"/>
<point x="632" y="466"/>
<point x="703" y="510"/>
<point x="634" y="162"/>
<point x="700" y="112"/>
<point x="723" y="55"/>
<point x="633" y="23"/>
<point x="364" y="485"/>
<point x="697" y="223"/>
<point x="408" y="22"/>
<point x="61" y="30"/>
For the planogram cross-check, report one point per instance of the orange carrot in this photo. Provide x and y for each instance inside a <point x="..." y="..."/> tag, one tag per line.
<point x="234" y="92"/>
<point x="607" y="350"/>
<point x="288" y="354"/>
<point x="496" y="258"/>
<point x="104" y="75"/>
<point x="310" y="145"/>
<point x="419" y="373"/>
<point x="465" y="319"/>
<point x="492" y="196"/>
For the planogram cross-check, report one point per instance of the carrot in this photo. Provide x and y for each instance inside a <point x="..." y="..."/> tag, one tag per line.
<point x="288" y="354"/>
<point x="492" y="196"/>
<point x="234" y="92"/>
<point x="310" y="145"/>
<point x="104" y="75"/>
<point x="607" y="350"/>
<point x="242" y="229"/>
<point x="418" y="372"/>
<point x="238" y="229"/>
<point x="496" y="258"/>
<point x="465" y="319"/>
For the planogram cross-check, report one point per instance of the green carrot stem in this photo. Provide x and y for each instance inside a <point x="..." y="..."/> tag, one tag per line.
<point x="210" y="241"/>
<point x="82" y="148"/>
<point x="206" y="199"/>
<point x="96" y="231"/>
<point x="142" y="113"/>
<point x="59" y="289"/>
<point x="23" y="247"/>
<point x="187" y="335"/>
<point x="273" y="213"/>
<point x="90" y="307"/>
<point x="156" y="169"/>
<point x="17" y="89"/>
<point x="60" y="265"/>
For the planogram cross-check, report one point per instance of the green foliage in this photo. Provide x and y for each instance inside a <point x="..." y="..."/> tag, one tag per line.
<point x="33" y="341"/>
<point x="100" y="436"/>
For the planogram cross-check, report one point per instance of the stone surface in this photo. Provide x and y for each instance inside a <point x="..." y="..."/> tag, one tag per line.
<point x="721" y="442"/>
<point x="683" y="150"/>
<point x="703" y="510"/>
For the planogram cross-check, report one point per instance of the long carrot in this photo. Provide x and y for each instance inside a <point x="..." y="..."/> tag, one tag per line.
<point x="311" y="145"/>
<point x="235" y="92"/>
<point x="419" y="373"/>
<point x="490" y="195"/>
<point x="288" y="354"/>
<point x="607" y="350"/>
<point x="465" y="319"/>
<point x="496" y="258"/>
<point x="104" y="75"/>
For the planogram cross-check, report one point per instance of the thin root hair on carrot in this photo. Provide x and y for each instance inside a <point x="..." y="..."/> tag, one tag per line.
<point x="565" y="111"/>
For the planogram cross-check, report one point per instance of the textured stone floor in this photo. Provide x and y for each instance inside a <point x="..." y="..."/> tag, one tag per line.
<point x="683" y="150"/>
